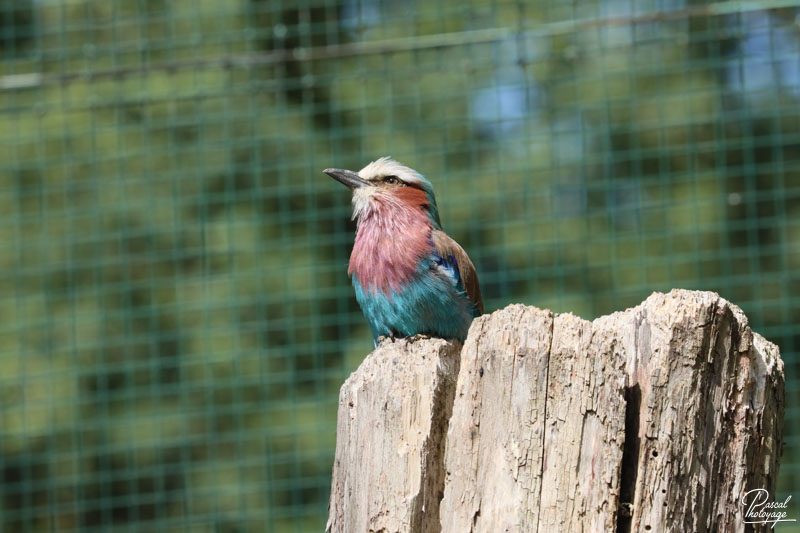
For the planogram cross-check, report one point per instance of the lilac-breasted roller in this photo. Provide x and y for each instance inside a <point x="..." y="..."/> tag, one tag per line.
<point x="410" y="277"/>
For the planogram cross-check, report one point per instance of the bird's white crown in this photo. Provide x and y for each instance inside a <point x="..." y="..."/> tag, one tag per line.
<point x="386" y="166"/>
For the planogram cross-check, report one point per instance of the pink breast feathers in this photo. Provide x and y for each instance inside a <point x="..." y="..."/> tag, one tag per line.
<point x="394" y="233"/>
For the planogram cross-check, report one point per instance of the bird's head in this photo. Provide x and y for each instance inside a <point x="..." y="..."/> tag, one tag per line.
<point x="387" y="183"/>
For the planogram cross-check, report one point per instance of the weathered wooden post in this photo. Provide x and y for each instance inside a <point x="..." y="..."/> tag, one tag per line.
<point x="658" y="418"/>
<point x="390" y="438"/>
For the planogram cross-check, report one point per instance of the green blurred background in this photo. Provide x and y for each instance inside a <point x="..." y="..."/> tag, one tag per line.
<point x="175" y="313"/>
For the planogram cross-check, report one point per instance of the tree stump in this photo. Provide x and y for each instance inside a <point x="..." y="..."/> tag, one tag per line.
<point x="658" y="418"/>
<point x="392" y="420"/>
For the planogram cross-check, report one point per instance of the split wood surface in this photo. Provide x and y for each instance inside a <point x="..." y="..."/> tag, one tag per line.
<point x="657" y="418"/>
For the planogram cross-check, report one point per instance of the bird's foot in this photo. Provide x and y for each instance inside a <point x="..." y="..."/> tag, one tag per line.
<point x="392" y="337"/>
<point x="383" y="338"/>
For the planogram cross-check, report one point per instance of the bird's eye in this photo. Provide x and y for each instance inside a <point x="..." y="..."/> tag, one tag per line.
<point x="391" y="179"/>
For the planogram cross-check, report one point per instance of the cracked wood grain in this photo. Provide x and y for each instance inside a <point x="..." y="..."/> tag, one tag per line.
<point x="494" y="452"/>
<point x="392" y="419"/>
<point x="551" y="461"/>
<point x="656" y="418"/>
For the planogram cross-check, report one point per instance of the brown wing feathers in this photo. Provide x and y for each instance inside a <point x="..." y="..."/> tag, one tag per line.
<point x="446" y="247"/>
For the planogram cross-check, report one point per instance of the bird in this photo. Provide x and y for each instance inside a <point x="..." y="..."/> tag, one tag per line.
<point x="410" y="277"/>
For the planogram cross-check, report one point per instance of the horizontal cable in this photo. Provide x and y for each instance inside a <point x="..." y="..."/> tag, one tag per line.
<point x="403" y="44"/>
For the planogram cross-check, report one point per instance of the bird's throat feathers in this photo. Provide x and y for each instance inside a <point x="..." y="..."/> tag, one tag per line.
<point x="393" y="235"/>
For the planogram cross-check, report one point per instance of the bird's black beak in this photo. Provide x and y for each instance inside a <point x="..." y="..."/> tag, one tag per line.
<point x="346" y="177"/>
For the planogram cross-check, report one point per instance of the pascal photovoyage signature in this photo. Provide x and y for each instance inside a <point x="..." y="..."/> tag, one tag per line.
<point x="760" y="510"/>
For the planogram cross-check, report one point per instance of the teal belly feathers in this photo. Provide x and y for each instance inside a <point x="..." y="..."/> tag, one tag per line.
<point x="432" y="303"/>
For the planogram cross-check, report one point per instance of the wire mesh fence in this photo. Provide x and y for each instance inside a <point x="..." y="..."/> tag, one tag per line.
<point x="175" y="313"/>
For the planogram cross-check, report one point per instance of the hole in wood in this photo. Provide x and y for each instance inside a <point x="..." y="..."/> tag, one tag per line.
<point x="630" y="456"/>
